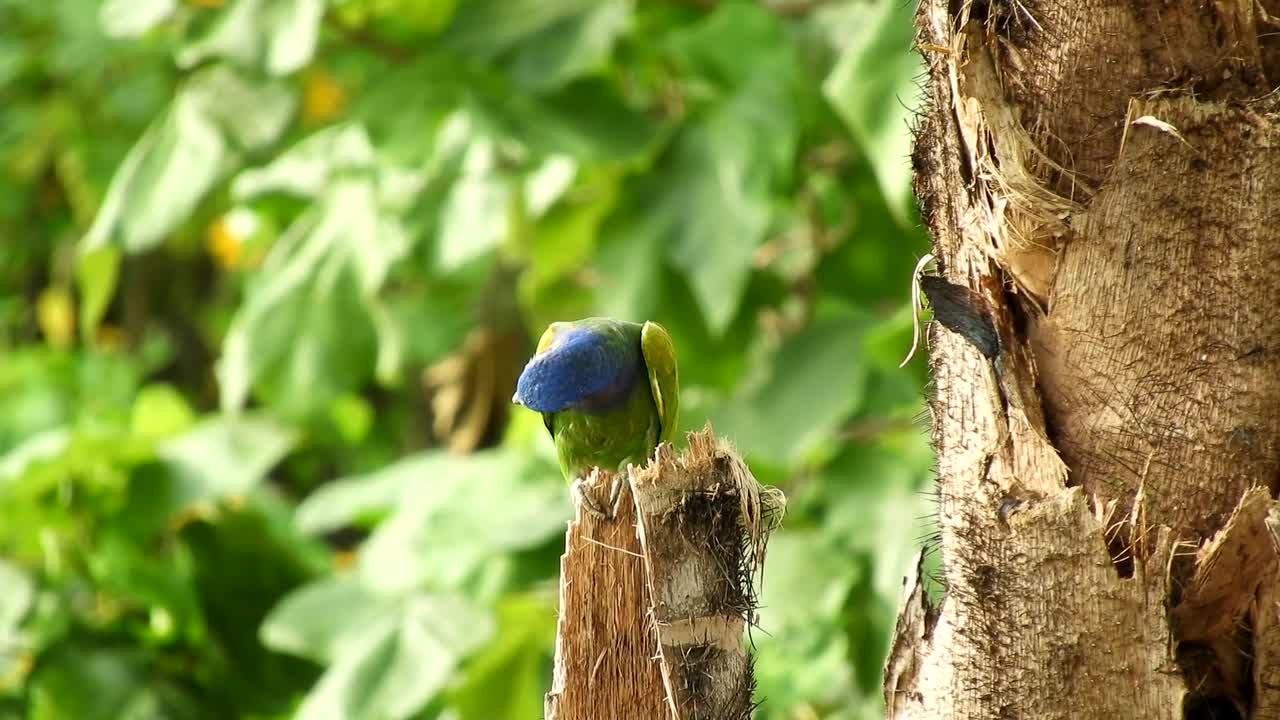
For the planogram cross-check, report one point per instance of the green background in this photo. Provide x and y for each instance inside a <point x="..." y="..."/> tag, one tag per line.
<point x="269" y="269"/>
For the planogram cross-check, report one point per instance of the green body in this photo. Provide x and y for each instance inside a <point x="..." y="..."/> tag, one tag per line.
<point x="630" y="432"/>
<point x="608" y="440"/>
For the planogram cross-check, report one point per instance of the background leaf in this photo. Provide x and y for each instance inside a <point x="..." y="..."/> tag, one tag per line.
<point x="273" y="268"/>
<point x="126" y="18"/>
<point x="277" y="35"/>
<point x="184" y="153"/>
<point x="873" y="89"/>
<point x="815" y="381"/>
<point x="399" y="654"/>
<point x="224" y="456"/>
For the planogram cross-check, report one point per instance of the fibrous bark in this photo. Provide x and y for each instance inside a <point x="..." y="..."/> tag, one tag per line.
<point x="605" y="663"/>
<point x="1102" y="183"/>
<point x="655" y="601"/>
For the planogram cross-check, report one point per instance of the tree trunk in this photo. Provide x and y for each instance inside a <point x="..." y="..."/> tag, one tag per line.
<point x="1102" y="183"/>
<point x="655" y="601"/>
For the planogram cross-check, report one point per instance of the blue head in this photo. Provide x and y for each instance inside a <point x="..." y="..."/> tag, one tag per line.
<point x="580" y="368"/>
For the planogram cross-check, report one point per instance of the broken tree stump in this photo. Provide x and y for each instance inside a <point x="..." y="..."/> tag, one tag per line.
<point x="654" y="602"/>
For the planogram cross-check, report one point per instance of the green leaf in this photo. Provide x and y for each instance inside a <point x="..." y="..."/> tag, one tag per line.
<point x="332" y="351"/>
<point x="884" y="517"/>
<point x="729" y="45"/>
<point x="16" y="595"/>
<point x="181" y="156"/>
<point x="449" y="514"/>
<point x="278" y="36"/>
<point x="572" y="47"/>
<point x="158" y="583"/>
<point x="807" y="581"/>
<point x="719" y="213"/>
<point x="160" y="412"/>
<point x="251" y="112"/>
<point x="130" y="18"/>
<point x="386" y="658"/>
<point x="352" y="415"/>
<point x="245" y="559"/>
<point x="343" y="501"/>
<point x="97" y="272"/>
<point x="588" y="120"/>
<point x="224" y="456"/>
<point x="630" y="258"/>
<point x="352" y="233"/>
<point x="90" y="683"/>
<point x="484" y="28"/>
<point x="184" y="153"/>
<point x="308" y="166"/>
<point x="94" y="685"/>
<point x="428" y="16"/>
<point x="302" y="623"/>
<point x="449" y="525"/>
<point x="323" y="275"/>
<point x="39" y="447"/>
<point x="873" y="89"/>
<point x="715" y="205"/>
<point x="475" y="218"/>
<point x="814" y="382"/>
<point x="547" y="183"/>
<point x="563" y="240"/>
<point x="507" y="678"/>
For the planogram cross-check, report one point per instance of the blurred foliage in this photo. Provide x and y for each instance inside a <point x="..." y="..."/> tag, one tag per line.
<point x="269" y="269"/>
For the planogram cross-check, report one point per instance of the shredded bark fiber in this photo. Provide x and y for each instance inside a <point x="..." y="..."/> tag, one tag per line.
<point x="1104" y="180"/>
<point x="605" y="662"/>
<point x="655" y="602"/>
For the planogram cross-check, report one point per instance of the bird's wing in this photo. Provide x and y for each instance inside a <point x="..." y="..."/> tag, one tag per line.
<point x="664" y="382"/>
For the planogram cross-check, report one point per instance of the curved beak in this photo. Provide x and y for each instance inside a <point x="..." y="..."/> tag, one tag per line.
<point x="515" y="398"/>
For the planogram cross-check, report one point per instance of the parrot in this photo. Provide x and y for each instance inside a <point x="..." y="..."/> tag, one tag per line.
<point x="608" y="391"/>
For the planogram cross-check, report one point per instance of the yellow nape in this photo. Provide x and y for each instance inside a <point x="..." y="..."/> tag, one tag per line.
<point x="548" y="338"/>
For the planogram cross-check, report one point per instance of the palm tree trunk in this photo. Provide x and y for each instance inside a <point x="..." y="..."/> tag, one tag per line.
<point x="1102" y="183"/>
